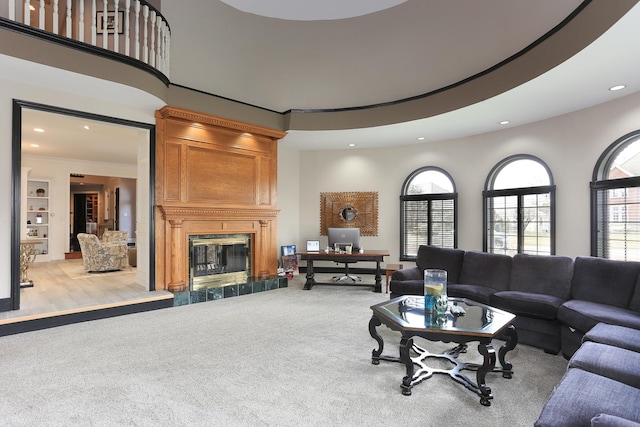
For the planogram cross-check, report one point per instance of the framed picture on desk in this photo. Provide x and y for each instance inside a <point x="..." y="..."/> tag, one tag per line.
<point x="313" y="245"/>
<point x="289" y="260"/>
<point x="288" y="250"/>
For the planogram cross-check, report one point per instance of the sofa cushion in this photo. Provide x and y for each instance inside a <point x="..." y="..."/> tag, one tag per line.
<point x="486" y="269"/>
<point x="606" y="420"/>
<point x="605" y="281"/>
<point x="584" y="315"/>
<point x="634" y="304"/>
<point x="582" y="395"/>
<point x="476" y="293"/>
<point x="443" y="258"/>
<point x="527" y="304"/>
<point x="615" y="335"/>
<point x="612" y="362"/>
<point x="542" y="274"/>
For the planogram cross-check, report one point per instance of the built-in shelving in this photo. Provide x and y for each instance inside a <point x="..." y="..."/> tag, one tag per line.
<point x="37" y="216"/>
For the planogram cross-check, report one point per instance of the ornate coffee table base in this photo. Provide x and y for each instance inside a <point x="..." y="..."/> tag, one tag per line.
<point x="424" y="372"/>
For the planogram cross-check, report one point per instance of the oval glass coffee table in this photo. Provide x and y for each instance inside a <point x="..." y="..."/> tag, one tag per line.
<point x="465" y="321"/>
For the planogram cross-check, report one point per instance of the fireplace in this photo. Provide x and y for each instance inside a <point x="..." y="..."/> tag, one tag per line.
<point x="219" y="260"/>
<point x="192" y="200"/>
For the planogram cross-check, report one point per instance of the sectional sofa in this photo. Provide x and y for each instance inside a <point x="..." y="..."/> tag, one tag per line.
<point x="556" y="299"/>
<point x="601" y="386"/>
<point x="588" y="308"/>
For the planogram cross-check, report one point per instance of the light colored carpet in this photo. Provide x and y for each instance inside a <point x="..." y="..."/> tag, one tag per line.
<point x="74" y="268"/>
<point x="285" y="357"/>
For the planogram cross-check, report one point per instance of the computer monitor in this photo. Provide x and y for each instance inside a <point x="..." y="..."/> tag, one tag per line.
<point x="344" y="237"/>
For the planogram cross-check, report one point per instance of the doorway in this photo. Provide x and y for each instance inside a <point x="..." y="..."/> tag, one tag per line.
<point x="95" y="152"/>
<point x="84" y="219"/>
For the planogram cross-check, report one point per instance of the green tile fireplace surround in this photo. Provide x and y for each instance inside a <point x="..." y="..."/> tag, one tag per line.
<point x="230" y="290"/>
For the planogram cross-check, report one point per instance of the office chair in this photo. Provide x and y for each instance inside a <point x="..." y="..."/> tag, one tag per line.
<point x="346" y="276"/>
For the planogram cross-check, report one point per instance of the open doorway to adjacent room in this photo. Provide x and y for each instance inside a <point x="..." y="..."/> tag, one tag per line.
<point x="96" y="174"/>
<point x="95" y="207"/>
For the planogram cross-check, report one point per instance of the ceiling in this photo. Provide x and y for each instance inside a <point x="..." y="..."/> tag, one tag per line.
<point x="69" y="137"/>
<point x="410" y="49"/>
<point x="302" y="55"/>
<point x="312" y="10"/>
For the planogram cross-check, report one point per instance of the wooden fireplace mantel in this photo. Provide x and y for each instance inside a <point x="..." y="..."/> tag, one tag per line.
<point x="213" y="176"/>
<point x="196" y="213"/>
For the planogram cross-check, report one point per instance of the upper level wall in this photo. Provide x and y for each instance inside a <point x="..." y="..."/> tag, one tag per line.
<point x="40" y="51"/>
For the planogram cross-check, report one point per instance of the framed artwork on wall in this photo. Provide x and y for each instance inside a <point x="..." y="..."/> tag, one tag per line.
<point x="111" y="23"/>
<point x="350" y="209"/>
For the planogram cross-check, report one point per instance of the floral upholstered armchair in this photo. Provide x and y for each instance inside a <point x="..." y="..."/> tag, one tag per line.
<point x="102" y="256"/>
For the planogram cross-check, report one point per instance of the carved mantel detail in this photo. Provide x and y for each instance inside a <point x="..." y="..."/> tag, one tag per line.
<point x="172" y="213"/>
<point x="213" y="176"/>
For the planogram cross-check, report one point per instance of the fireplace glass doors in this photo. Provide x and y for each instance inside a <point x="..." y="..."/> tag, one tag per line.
<point x="219" y="260"/>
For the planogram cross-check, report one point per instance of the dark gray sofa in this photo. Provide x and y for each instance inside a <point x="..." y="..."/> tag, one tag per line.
<point x="602" y="384"/>
<point x="538" y="286"/>
<point x="556" y="299"/>
<point x="602" y="290"/>
<point x="588" y="308"/>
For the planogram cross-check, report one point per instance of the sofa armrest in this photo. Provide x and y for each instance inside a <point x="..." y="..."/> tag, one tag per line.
<point x="413" y="273"/>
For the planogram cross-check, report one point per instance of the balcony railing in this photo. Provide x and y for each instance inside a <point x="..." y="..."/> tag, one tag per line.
<point x="132" y="28"/>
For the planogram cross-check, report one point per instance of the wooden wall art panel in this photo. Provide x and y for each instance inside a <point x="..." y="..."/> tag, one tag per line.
<point x="350" y="209"/>
<point x="221" y="177"/>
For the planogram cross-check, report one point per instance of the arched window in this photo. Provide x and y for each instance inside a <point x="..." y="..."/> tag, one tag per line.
<point x="615" y="201"/>
<point x="428" y="211"/>
<point x="519" y="207"/>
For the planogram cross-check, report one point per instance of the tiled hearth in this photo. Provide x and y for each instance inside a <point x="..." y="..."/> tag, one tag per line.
<point x="228" y="291"/>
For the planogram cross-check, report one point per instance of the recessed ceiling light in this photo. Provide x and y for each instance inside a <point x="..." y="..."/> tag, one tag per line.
<point x="617" y="87"/>
<point x="34" y="145"/>
<point x="505" y="122"/>
<point x="38" y="130"/>
<point x="86" y="127"/>
<point x="352" y="145"/>
<point x="421" y="138"/>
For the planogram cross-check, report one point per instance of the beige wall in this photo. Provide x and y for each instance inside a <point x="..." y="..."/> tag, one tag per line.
<point x="54" y="87"/>
<point x="569" y="144"/>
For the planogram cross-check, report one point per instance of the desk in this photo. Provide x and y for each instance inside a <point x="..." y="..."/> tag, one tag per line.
<point x="372" y="256"/>
<point x="27" y="255"/>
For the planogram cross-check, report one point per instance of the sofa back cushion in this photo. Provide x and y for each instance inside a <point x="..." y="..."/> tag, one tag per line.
<point x="486" y="269"/>
<point x="604" y="280"/>
<point x="443" y="258"/>
<point x="542" y="274"/>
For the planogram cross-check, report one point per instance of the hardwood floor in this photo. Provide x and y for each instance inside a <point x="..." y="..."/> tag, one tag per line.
<point x="62" y="287"/>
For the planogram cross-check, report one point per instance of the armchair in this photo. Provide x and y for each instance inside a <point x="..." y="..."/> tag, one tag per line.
<point x="115" y="236"/>
<point x="102" y="256"/>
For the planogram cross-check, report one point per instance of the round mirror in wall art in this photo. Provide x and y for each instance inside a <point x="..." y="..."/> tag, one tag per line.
<point x="348" y="214"/>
